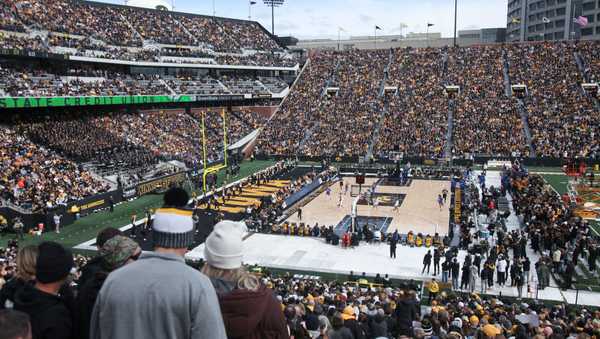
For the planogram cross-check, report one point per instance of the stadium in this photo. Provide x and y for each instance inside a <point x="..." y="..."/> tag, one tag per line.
<point x="166" y="174"/>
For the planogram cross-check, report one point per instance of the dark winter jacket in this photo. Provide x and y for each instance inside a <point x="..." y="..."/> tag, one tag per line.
<point x="97" y="264"/>
<point x="7" y="293"/>
<point x="88" y="293"/>
<point x="405" y="313"/>
<point x="50" y="317"/>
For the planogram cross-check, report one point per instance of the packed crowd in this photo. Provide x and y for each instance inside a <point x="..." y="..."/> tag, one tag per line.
<point x="485" y="121"/>
<point x="21" y="81"/>
<point x="418" y="76"/>
<point x="591" y="59"/>
<point x="34" y="151"/>
<point x="36" y="178"/>
<point x="38" y="82"/>
<point x="138" y="140"/>
<point x="347" y="118"/>
<point x="561" y="118"/>
<point x="283" y="135"/>
<point x="62" y="296"/>
<point x="482" y="102"/>
<point x="129" y="26"/>
<point x="563" y="240"/>
<point x="110" y="32"/>
<point x="85" y="137"/>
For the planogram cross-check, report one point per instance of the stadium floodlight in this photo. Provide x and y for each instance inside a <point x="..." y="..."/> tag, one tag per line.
<point x="273" y="4"/>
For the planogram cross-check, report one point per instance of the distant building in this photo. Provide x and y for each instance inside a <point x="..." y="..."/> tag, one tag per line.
<point x="417" y="40"/>
<point x="484" y="35"/>
<point x="287" y="40"/>
<point x="537" y="20"/>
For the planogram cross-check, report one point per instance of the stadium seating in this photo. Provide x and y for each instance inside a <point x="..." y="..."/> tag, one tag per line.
<point x="556" y="119"/>
<point x="562" y="119"/>
<point x="35" y="177"/>
<point x="130" y="33"/>
<point x="38" y="81"/>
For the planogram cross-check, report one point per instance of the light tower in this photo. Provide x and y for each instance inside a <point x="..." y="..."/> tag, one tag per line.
<point x="273" y="4"/>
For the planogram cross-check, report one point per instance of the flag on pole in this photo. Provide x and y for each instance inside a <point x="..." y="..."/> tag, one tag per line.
<point x="545" y="20"/>
<point x="377" y="28"/>
<point x="429" y="25"/>
<point x="581" y="21"/>
<point x="341" y="29"/>
<point x="514" y="20"/>
<point x="252" y="2"/>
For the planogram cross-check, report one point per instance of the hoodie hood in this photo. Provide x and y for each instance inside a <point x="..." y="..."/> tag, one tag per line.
<point x="47" y="312"/>
<point x="243" y="310"/>
<point x="8" y="291"/>
<point x="32" y="301"/>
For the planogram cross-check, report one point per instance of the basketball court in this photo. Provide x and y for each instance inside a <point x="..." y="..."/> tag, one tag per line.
<point x="418" y="210"/>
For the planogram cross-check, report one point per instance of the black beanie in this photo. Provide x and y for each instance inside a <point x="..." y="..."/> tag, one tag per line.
<point x="176" y="197"/>
<point x="54" y="262"/>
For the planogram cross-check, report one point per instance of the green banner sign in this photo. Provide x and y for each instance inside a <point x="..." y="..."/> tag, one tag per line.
<point x="32" y="102"/>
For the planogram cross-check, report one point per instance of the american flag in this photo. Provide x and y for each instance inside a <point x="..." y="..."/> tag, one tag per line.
<point x="581" y="21"/>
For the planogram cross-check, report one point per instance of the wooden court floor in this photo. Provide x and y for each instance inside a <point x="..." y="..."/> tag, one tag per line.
<point x="419" y="211"/>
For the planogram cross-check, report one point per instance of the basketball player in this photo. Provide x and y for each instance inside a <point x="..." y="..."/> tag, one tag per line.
<point x="328" y="192"/>
<point x="396" y="205"/>
<point x="346" y="189"/>
<point x="440" y="201"/>
<point x="340" y="199"/>
<point x="375" y="202"/>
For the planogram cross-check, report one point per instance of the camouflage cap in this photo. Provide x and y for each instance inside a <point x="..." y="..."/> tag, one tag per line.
<point x="117" y="250"/>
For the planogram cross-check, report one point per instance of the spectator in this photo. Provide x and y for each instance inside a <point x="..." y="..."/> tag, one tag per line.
<point x="26" y="263"/>
<point x="184" y="298"/>
<point x="14" y="325"/>
<point x="339" y="331"/>
<point x="116" y="252"/>
<point x="98" y="263"/>
<point x="434" y="289"/>
<point x="49" y="313"/>
<point x="249" y="308"/>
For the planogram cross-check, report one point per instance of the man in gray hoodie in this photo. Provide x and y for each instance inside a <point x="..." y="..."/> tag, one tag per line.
<point x="159" y="296"/>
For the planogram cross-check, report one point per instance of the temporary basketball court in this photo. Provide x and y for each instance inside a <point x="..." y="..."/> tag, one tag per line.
<point x="418" y="209"/>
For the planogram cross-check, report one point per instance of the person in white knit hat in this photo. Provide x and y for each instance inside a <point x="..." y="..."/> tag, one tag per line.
<point x="249" y="308"/>
<point x="159" y="296"/>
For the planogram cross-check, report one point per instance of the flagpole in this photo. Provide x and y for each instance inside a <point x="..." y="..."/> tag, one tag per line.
<point x="375" y="37"/>
<point x="249" y="9"/>
<point x="339" y="34"/>
<point x="427" y="34"/>
<point x="455" y="17"/>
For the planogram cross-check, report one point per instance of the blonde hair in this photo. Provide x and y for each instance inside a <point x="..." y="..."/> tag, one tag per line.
<point x="26" y="260"/>
<point x="240" y="276"/>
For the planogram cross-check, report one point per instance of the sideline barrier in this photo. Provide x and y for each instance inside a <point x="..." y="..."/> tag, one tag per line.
<point x="69" y="212"/>
<point x="306" y="190"/>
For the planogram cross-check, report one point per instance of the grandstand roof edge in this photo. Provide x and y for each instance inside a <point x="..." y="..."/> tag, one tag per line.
<point x="96" y="3"/>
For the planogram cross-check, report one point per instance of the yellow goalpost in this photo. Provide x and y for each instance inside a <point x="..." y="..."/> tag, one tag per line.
<point x="217" y="168"/>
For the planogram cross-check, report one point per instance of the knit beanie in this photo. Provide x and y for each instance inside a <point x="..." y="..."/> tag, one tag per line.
<point x="172" y="228"/>
<point x="117" y="250"/>
<point x="54" y="262"/>
<point x="223" y="246"/>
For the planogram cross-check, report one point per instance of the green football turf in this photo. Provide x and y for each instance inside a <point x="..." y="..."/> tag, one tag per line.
<point x="559" y="182"/>
<point x="87" y="227"/>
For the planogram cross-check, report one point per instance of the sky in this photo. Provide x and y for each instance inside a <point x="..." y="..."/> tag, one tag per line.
<point x="310" y="19"/>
